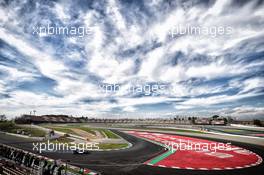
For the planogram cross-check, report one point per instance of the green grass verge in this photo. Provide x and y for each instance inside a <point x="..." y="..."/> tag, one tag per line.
<point x="232" y="130"/>
<point x="112" y="145"/>
<point x="106" y="132"/>
<point x="34" y="132"/>
<point x="110" y="134"/>
<point x="177" y="130"/>
<point x="89" y="130"/>
<point x="61" y="129"/>
<point x="11" y="127"/>
<point x="8" y="126"/>
<point x="62" y="139"/>
<point x="67" y="129"/>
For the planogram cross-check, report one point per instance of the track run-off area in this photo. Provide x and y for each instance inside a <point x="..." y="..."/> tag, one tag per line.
<point x="197" y="154"/>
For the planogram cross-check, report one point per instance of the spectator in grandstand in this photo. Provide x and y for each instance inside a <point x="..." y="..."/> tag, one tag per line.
<point x="53" y="167"/>
<point x="26" y="160"/>
<point x="1" y="167"/>
<point x="60" y="169"/>
<point x="37" y="161"/>
<point x="31" y="160"/>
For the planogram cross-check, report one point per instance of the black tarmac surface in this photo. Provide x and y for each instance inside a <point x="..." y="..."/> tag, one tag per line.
<point x="130" y="161"/>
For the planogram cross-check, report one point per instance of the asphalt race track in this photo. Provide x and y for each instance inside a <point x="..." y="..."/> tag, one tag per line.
<point x="107" y="162"/>
<point x="198" y="154"/>
<point x="237" y="131"/>
<point x="131" y="161"/>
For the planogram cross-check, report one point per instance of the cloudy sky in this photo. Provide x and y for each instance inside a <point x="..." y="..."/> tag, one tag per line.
<point x="134" y="44"/>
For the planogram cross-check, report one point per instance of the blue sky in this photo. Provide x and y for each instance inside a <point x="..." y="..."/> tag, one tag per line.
<point x="130" y="44"/>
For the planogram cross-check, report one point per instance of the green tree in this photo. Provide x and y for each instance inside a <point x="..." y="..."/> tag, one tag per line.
<point x="2" y="118"/>
<point x="215" y="116"/>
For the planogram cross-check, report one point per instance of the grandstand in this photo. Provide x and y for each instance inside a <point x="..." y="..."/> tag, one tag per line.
<point x="14" y="161"/>
<point x="8" y="167"/>
<point x="28" y="119"/>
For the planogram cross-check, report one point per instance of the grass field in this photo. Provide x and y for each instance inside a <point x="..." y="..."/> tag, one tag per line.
<point x="233" y="130"/>
<point x="68" y="129"/>
<point x="33" y="131"/>
<point x="102" y="146"/>
<point x="89" y="130"/>
<point x="61" y="129"/>
<point x="110" y="134"/>
<point x="62" y="139"/>
<point x="177" y="130"/>
<point x="112" y="146"/>
<point x="11" y="127"/>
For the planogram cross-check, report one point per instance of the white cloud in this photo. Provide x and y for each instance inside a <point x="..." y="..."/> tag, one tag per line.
<point x="60" y="10"/>
<point x="244" y="112"/>
<point x="203" y="57"/>
<point x="208" y="101"/>
<point x="2" y="86"/>
<point x="129" y="109"/>
<point x="45" y="62"/>
<point x="14" y="74"/>
<point x="252" y="83"/>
